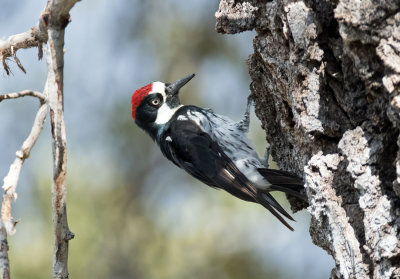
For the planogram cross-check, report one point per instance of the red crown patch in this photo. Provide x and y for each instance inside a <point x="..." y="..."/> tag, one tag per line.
<point x="138" y="97"/>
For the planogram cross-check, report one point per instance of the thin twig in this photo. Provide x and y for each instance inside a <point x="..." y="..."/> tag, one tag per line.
<point x="11" y="179"/>
<point x="19" y="63"/>
<point x="23" y="93"/>
<point x="7" y="222"/>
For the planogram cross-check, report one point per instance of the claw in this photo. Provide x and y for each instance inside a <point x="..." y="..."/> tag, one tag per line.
<point x="245" y="122"/>
<point x="266" y="156"/>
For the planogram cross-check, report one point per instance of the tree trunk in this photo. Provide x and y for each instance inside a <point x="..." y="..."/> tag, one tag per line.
<point x="326" y="79"/>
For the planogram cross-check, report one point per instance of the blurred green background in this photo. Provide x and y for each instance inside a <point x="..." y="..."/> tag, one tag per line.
<point x="134" y="214"/>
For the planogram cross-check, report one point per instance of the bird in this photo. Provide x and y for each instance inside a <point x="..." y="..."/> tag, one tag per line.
<point x="211" y="147"/>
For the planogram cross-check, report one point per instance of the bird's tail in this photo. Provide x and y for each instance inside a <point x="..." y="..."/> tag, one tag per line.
<point x="285" y="182"/>
<point x="268" y="201"/>
<point x="281" y="181"/>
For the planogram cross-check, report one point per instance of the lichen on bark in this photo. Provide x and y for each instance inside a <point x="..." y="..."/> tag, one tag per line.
<point x="326" y="80"/>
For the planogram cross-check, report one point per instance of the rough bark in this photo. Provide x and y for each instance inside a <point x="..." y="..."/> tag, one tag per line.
<point x="326" y="80"/>
<point x="4" y="262"/>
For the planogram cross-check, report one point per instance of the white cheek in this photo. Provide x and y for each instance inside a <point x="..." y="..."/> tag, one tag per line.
<point x="165" y="113"/>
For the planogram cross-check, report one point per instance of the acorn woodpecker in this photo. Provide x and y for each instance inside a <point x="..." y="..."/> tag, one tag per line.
<point x="211" y="147"/>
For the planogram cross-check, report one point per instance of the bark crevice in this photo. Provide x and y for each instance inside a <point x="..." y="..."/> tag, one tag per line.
<point x="326" y="83"/>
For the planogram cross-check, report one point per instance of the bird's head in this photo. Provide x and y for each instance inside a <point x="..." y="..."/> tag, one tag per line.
<point x="153" y="105"/>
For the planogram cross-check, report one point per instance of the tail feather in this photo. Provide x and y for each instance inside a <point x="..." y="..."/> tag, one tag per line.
<point x="271" y="200"/>
<point x="270" y="203"/>
<point x="287" y="190"/>
<point x="284" y="181"/>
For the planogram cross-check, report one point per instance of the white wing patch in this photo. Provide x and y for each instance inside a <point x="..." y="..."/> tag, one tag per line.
<point x="182" y="118"/>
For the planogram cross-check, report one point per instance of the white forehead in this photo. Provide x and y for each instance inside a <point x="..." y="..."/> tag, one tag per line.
<point x="158" y="87"/>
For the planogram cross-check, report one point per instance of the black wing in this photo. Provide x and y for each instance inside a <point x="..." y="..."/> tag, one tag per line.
<point x="193" y="150"/>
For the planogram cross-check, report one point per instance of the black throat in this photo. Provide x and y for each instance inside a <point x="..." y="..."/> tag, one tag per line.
<point x="151" y="128"/>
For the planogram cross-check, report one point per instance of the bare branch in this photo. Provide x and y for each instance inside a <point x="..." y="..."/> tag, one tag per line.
<point x="32" y="38"/>
<point x="23" y="93"/>
<point x="51" y="26"/>
<point x="27" y="39"/>
<point x="4" y="262"/>
<point x="56" y="17"/>
<point x="56" y="14"/>
<point x="55" y="93"/>
<point x="11" y="179"/>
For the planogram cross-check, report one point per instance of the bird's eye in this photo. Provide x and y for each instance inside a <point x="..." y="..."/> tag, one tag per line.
<point x="155" y="102"/>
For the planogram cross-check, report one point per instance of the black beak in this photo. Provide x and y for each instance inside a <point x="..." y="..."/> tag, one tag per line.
<point x="173" y="88"/>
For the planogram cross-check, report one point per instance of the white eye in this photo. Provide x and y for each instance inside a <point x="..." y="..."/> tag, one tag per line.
<point x="155" y="102"/>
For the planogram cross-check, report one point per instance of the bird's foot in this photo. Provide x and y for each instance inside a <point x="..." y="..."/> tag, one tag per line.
<point x="266" y="156"/>
<point x="245" y="122"/>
